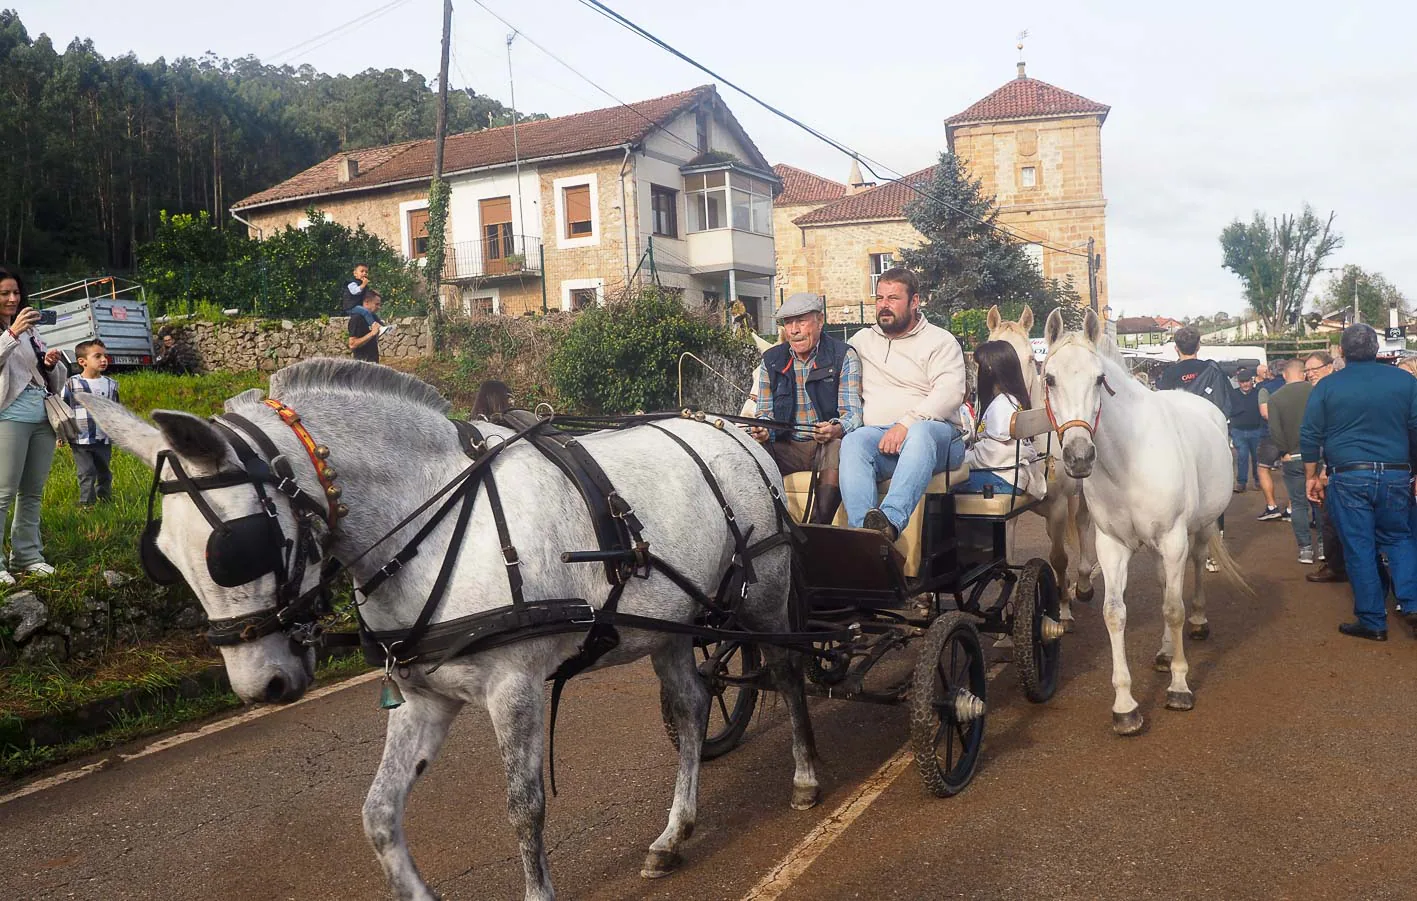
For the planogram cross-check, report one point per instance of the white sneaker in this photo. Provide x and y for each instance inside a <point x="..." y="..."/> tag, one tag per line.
<point x="40" y="569"/>
<point x="1211" y="566"/>
<point x="1306" y="555"/>
<point x="6" y="578"/>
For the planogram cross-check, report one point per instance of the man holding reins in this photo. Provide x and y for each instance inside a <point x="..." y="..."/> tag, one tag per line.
<point x="813" y="381"/>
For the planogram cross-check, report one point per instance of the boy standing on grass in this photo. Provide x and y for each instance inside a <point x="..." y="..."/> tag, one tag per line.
<point x="92" y="449"/>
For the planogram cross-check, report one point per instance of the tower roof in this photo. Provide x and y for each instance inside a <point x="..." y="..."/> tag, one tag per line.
<point x="1028" y="98"/>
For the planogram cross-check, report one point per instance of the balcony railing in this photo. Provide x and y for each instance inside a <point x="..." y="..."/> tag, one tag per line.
<point x="505" y="256"/>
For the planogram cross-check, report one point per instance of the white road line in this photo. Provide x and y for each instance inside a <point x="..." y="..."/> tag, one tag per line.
<point x="780" y="878"/>
<point x="173" y="741"/>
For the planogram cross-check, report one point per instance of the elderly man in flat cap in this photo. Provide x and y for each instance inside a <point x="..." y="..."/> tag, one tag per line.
<point x="813" y="381"/>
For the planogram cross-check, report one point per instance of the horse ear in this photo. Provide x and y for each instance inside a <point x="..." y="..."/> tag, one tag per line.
<point x="992" y="320"/>
<point x="192" y="437"/>
<point x="126" y="430"/>
<point x="1092" y="328"/>
<point x="1025" y="321"/>
<point x="1053" y="328"/>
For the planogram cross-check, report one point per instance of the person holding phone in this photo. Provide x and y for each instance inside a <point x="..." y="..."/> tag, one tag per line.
<point x="27" y="372"/>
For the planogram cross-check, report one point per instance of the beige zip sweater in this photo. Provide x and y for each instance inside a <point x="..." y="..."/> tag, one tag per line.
<point x="18" y="368"/>
<point x="919" y="375"/>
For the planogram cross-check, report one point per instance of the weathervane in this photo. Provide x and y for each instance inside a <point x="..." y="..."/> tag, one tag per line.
<point x="1021" y="36"/>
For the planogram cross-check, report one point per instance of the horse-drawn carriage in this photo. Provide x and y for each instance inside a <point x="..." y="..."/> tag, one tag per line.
<point x="946" y="579"/>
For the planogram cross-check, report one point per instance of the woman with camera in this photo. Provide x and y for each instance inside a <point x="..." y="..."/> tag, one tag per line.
<point x="27" y="373"/>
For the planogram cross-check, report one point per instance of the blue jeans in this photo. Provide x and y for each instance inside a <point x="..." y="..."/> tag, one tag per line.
<point x="1293" y="471"/>
<point x="979" y="478"/>
<point x="1373" y="512"/>
<point x="929" y="447"/>
<point x="1247" y="445"/>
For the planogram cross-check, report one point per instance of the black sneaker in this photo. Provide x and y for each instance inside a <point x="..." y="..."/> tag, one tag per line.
<point x="1288" y="514"/>
<point x="877" y="520"/>
<point x="1270" y="514"/>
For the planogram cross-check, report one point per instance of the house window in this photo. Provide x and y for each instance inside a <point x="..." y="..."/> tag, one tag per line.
<point x="752" y="204"/>
<point x="712" y="299"/>
<point x="665" y="205"/>
<point x="707" y="196"/>
<point x="418" y="233"/>
<point x="1028" y="176"/>
<point x="1035" y="253"/>
<point x="880" y="262"/>
<point x="481" y="306"/>
<point x="497" y="240"/>
<point x="582" y="298"/>
<point x="576" y="202"/>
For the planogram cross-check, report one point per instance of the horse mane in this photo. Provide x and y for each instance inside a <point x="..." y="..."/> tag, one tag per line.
<point x="356" y="377"/>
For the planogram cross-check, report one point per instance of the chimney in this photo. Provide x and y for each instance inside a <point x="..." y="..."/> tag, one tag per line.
<point x="1020" y="69"/>
<point x="348" y="170"/>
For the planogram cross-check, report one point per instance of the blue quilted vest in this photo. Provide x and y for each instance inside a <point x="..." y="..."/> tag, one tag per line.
<point x="822" y="382"/>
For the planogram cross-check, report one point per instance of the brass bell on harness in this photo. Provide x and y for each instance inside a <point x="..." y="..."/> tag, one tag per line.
<point x="333" y="492"/>
<point x="329" y="473"/>
<point x="341" y="510"/>
<point x="322" y="452"/>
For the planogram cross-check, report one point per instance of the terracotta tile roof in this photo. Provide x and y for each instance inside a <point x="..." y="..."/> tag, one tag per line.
<point x="1026" y="98"/>
<point x="885" y="201"/>
<point x="801" y="186"/>
<point x="1137" y="325"/>
<point x="413" y="160"/>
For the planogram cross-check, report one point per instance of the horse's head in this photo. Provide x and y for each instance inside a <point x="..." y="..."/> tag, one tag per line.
<point x="237" y="540"/>
<point x="1074" y="386"/>
<point x="1016" y="334"/>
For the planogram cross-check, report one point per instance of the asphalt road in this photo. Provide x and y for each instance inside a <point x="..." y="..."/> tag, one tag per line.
<point x="1292" y="778"/>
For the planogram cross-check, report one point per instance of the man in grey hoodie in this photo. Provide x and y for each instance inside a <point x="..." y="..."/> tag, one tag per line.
<point x="912" y="385"/>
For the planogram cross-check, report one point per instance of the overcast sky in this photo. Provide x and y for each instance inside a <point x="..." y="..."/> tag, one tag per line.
<point x="1218" y="109"/>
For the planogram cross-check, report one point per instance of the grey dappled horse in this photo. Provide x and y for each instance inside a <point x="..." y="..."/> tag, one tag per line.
<point x="393" y="446"/>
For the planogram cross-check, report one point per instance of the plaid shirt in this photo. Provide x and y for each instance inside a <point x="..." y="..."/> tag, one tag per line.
<point x="848" y="394"/>
<point x="103" y="386"/>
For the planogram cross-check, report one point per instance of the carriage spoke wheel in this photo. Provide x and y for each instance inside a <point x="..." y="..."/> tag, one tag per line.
<point x="731" y="705"/>
<point x="947" y="705"/>
<point x="1037" y="631"/>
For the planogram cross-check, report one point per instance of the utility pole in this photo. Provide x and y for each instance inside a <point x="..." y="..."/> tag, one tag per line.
<point x="516" y="148"/>
<point x="438" y="189"/>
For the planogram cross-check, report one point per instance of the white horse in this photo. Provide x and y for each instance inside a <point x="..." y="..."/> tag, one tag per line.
<point x="1156" y="471"/>
<point x="395" y="447"/>
<point x="1064" y="509"/>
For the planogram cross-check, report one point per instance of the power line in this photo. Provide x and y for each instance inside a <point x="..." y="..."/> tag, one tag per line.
<point x="585" y="77"/>
<point x="320" y="40"/>
<point x="870" y="164"/>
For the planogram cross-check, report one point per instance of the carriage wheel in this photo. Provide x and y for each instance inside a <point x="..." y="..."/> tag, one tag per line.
<point x="731" y="705"/>
<point x="947" y="705"/>
<point x="1037" y="631"/>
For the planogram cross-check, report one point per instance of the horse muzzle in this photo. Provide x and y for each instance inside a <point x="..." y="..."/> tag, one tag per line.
<point x="1079" y="456"/>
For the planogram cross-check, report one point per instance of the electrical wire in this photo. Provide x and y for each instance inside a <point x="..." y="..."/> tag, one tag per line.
<point x="320" y="40"/>
<point x="870" y="164"/>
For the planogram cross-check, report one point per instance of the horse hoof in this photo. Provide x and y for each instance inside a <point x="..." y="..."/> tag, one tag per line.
<point x="1198" y="631"/>
<point x="1180" y="700"/>
<point x="660" y="863"/>
<point x="1127" y="723"/>
<point x="1083" y="595"/>
<point x="805" y="797"/>
<point x="1162" y="663"/>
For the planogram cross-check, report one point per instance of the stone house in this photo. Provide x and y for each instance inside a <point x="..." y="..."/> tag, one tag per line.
<point x="567" y="210"/>
<point x="1036" y="148"/>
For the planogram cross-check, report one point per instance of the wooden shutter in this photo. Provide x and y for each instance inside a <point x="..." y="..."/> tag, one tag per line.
<point x="495" y="210"/>
<point x="577" y="206"/>
<point x="418" y="233"/>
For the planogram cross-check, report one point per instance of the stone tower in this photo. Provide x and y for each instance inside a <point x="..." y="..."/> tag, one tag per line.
<point x="1038" y="150"/>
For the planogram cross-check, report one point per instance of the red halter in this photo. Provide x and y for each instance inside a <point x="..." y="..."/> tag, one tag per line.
<point x="1075" y="423"/>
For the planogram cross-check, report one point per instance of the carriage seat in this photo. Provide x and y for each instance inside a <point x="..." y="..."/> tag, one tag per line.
<point x="1025" y="424"/>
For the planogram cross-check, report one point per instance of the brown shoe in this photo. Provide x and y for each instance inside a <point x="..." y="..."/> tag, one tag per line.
<point x="1324" y="574"/>
<point x="877" y="520"/>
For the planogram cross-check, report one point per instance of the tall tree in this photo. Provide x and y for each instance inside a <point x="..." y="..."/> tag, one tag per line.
<point x="1376" y="296"/>
<point x="1277" y="260"/>
<point x="966" y="261"/>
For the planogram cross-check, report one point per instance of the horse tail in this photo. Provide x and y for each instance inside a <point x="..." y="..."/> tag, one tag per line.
<point x="1228" y="567"/>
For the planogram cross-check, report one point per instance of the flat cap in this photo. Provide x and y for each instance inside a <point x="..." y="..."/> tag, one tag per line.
<point x="798" y="304"/>
<point x="1244" y="374"/>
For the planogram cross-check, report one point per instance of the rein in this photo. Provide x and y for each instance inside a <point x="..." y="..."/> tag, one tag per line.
<point x="1090" y="428"/>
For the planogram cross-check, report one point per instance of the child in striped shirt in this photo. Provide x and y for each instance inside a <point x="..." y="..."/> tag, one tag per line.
<point x="93" y="452"/>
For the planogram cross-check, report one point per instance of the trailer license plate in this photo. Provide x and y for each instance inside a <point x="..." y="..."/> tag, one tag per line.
<point x="127" y="360"/>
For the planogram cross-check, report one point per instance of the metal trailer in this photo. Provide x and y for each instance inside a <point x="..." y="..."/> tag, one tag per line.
<point x="112" y="309"/>
<point x="858" y="583"/>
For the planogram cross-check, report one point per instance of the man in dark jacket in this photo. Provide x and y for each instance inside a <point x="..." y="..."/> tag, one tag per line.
<point x="813" y="381"/>
<point x="1247" y="427"/>
<point x="1362" y="417"/>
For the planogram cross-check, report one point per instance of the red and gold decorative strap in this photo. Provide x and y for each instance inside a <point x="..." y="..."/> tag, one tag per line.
<point x="319" y="458"/>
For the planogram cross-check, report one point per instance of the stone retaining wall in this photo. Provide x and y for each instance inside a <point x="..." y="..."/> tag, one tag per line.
<point x="240" y="345"/>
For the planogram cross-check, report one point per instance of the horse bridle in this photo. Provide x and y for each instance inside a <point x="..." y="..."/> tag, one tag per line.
<point x="242" y="550"/>
<point x="1090" y="428"/>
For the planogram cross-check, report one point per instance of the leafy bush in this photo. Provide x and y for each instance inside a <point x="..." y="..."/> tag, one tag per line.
<point x="295" y="273"/>
<point x="623" y="356"/>
<point x="514" y="350"/>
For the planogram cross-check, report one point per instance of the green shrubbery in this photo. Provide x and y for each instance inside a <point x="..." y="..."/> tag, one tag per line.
<point x="294" y="273"/>
<point x="624" y="356"/>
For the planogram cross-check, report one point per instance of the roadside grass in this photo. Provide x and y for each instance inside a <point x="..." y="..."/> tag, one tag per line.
<point x="53" y="688"/>
<point x="16" y="762"/>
